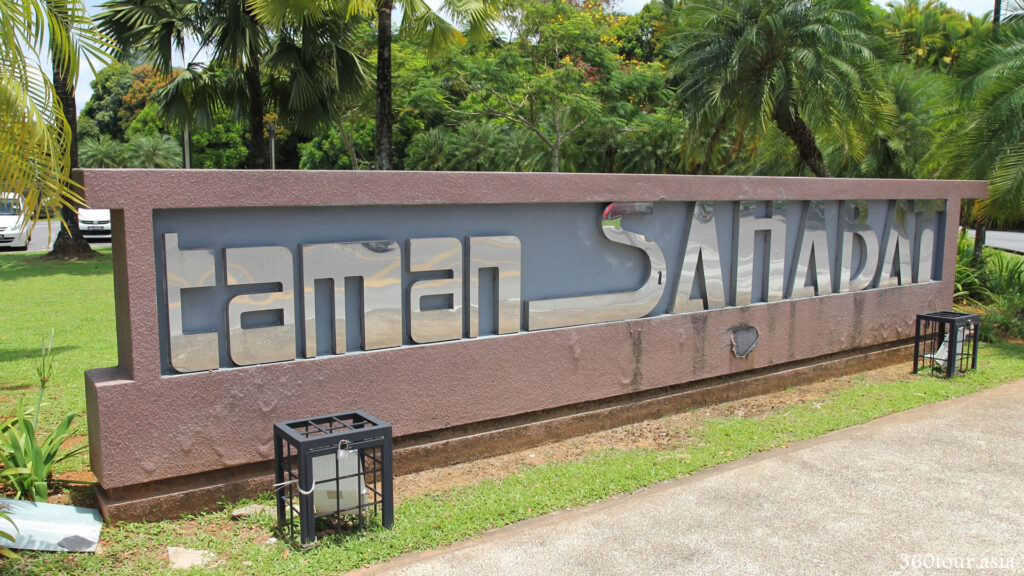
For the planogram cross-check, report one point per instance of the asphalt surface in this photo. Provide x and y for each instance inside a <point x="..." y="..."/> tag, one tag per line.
<point x="42" y="242"/>
<point x="935" y="490"/>
<point x="1013" y="241"/>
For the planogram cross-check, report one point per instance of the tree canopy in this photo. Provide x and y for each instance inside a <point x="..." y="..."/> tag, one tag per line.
<point x="847" y="88"/>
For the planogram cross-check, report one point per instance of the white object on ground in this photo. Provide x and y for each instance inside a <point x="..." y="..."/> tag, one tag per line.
<point x="326" y="497"/>
<point x="185" y="558"/>
<point x="50" y="527"/>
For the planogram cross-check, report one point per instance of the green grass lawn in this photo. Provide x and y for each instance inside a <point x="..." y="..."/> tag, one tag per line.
<point x="76" y="300"/>
<point x="78" y="303"/>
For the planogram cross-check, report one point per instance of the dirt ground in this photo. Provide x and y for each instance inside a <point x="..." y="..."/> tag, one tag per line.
<point x="664" y="433"/>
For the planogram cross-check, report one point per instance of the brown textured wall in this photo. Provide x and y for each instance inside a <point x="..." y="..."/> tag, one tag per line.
<point x="145" y="427"/>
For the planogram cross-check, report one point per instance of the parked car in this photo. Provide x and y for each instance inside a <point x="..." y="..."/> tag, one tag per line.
<point x="94" y="224"/>
<point x="14" y="224"/>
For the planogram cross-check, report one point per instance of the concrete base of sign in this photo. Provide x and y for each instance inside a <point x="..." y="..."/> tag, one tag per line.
<point x="175" y="496"/>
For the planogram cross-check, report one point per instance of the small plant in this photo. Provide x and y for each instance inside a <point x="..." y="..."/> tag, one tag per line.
<point x="4" y="535"/>
<point x="27" y="462"/>
<point x="1003" y="274"/>
<point x="1006" y="315"/>
<point x="968" y="285"/>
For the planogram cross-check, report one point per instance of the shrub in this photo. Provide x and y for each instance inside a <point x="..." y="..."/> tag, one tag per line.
<point x="1003" y="274"/>
<point x="27" y="462"/>
<point x="1006" y="315"/>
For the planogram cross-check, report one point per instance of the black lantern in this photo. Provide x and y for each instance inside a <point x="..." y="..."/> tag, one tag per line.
<point x="333" y="473"/>
<point x="946" y="342"/>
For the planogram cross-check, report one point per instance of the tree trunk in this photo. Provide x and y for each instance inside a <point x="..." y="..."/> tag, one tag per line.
<point x="69" y="242"/>
<point x="555" y="160"/>
<point x="797" y="131"/>
<point x="349" y="146"/>
<point x="257" y="159"/>
<point x="979" y="242"/>
<point x="385" y="116"/>
<point x="996" y="12"/>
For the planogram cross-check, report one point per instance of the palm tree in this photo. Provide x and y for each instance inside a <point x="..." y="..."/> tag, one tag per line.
<point x="228" y="29"/>
<point x="157" y="151"/>
<point x="316" y="75"/>
<point x="781" y="62"/>
<point x="989" y="143"/>
<point x="429" y="150"/>
<point x="37" y="138"/>
<point x="418" y="18"/>
<point x="920" y="99"/>
<point x="102" y="152"/>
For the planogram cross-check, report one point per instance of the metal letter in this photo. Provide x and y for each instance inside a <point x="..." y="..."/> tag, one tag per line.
<point x="854" y="217"/>
<point x="813" y="243"/>
<point x="927" y="224"/>
<point x="436" y="254"/>
<point x="897" y="248"/>
<point x="702" y="247"/>
<point x="574" y="311"/>
<point x="775" y="226"/>
<point x="504" y="254"/>
<point x="260" y="265"/>
<point x="379" y="266"/>
<point x="188" y="269"/>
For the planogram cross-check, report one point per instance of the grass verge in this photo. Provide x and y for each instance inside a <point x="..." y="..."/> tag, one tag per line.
<point x="76" y="299"/>
<point x="434" y="520"/>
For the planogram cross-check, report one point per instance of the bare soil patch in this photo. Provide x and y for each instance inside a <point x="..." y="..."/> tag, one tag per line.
<point x="669" y="432"/>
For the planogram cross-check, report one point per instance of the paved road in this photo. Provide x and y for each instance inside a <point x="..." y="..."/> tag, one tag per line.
<point x="1013" y="241"/>
<point x="1006" y="240"/>
<point x="935" y="490"/>
<point x="41" y="242"/>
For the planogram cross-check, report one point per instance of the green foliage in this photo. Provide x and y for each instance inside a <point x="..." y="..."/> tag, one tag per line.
<point x="1006" y="315"/>
<point x="931" y="34"/>
<point x="221" y="145"/>
<point x="920" y="98"/>
<point x="78" y="297"/>
<point x="87" y="129"/>
<point x="805" y="67"/>
<point x="997" y="285"/>
<point x="986" y="141"/>
<point x="101" y="152"/>
<point x="36" y="138"/>
<point x="4" y="551"/>
<point x="27" y="462"/>
<point x="329" y="151"/>
<point x="156" y="151"/>
<point x="105" y="105"/>
<point x="1003" y="273"/>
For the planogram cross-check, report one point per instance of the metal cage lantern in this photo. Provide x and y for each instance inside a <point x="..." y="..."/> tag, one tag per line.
<point x="333" y="473"/>
<point x="946" y="342"/>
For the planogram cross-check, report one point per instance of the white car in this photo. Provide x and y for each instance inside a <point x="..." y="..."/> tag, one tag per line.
<point x="94" y="224"/>
<point x="14" y="226"/>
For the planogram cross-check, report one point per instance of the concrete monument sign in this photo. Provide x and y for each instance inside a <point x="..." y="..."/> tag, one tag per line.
<point x="450" y="304"/>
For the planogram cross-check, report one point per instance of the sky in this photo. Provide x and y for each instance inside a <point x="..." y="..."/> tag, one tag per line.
<point x="976" y="7"/>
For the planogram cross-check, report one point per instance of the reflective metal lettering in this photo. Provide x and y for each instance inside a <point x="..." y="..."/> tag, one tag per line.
<point x="504" y="255"/>
<point x="896" y="267"/>
<point x="378" y="265"/>
<point x="927" y="224"/>
<point x="445" y="322"/>
<point x="188" y="269"/>
<point x="813" y="255"/>
<point x="574" y="311"/>
<point x="702" y="262"/>
<point x="774" y="229"/>
<point x="261" y="265"/>
<point x="854" y="218"/>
